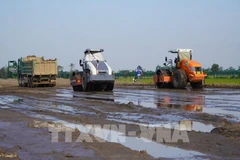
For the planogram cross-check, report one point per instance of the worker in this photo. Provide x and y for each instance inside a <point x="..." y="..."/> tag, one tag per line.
<point x="139" y="73"/>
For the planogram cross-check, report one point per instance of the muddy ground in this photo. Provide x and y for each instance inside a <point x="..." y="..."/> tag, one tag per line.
<point x="132" y="122"/>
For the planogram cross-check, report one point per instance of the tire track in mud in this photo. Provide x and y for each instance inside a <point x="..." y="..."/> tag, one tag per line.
<point x="223" y="102"/>
<point x="96" y="102"/>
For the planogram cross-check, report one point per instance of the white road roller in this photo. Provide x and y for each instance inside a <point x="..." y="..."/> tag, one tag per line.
<point x="97" y="75"/>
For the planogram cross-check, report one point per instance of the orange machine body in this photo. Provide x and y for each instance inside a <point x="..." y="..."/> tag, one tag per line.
<point x="192" y="71"/>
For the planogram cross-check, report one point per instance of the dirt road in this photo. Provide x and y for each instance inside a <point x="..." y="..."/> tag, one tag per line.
<point x="132" y="122"/>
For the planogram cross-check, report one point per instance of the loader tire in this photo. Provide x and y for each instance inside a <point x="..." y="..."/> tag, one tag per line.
<point x="197" y="85"/>
<point x="179" y="79"/>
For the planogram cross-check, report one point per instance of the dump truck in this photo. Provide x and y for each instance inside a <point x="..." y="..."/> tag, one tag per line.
<point x="96" y="74"/>
<point x="183" y="71"/>
<point x="34" y="71"/>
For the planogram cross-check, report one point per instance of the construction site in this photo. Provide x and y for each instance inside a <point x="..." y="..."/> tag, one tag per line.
<point x="160" y="81"/>
<point x="130" y="122"/>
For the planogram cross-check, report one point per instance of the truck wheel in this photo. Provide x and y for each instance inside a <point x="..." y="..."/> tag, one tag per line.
<point x="197" y="85"/>
<point x="30" y="83"/>
<point x="179" y="79"/>
<point x="20" y="82"/>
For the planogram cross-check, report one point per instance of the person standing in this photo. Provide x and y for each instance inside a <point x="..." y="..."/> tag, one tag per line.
<point x="139" y="73"/>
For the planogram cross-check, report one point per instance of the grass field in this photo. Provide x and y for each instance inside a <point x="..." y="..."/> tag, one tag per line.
<point x="148" y="80"/>
<point x="222" y="81"/>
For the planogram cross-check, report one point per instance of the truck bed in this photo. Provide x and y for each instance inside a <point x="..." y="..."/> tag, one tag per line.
<point x="37" y="66"/>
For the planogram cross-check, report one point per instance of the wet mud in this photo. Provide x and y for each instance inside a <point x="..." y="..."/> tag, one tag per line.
<point x="208" y="118"/>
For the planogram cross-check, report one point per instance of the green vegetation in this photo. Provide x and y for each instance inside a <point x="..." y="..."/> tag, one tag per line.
<point x="216" y="75"/>
<point x="145" y="80"/>
<point x="4" y="72"/>
<point x="210" y="80"/>
<point x="222" y="81"/>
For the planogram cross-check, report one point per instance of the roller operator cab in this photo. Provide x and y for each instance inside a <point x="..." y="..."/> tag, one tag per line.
<point x="185" y="70"/>
<point x="97" y="75"/>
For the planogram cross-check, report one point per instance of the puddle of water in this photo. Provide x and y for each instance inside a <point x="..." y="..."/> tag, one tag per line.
<point x="170" y="121"/>
<point x="201" y="127"/>
<point x="90" y="97"/>
<point x="146" y="118"/>
<point x="136" y="102"/>
<point x="146" y="104"/>
<point x="4" y="124"/>
<point x="65" y="108"/>
<point x="86" y="113"/>
<point x="43" y="105"/>
<point x="64" y="95"/>
<point x="4" y="107"/>
<point x="228" y="114"/>
<point x="223" y="102"/>
<point x="7" y="99"/>
<point x="69" y="109"/>
<point x="184" y="125"/>
<point x="152" y="148"/>
<point x="98" y="98"/>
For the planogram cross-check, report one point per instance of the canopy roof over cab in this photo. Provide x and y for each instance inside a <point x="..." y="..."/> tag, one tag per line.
<point x="92" y="51"/>
<point x="93" y="55"/>
<point x="183" y="54"/>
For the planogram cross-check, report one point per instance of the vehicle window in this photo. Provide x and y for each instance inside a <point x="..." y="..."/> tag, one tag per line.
<point x="100" y="65"/>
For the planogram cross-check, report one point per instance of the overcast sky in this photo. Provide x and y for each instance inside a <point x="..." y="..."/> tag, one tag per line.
<point x="132" y="32"/>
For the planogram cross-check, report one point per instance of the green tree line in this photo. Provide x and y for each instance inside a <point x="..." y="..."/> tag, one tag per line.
<point x="215" y="71"/>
